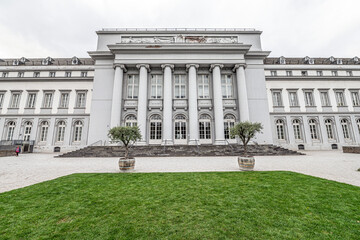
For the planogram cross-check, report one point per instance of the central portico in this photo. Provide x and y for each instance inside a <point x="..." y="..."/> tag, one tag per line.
<point x="180" y="86"/>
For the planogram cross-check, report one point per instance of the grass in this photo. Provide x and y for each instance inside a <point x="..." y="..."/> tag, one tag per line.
<point x="237" y="205"/>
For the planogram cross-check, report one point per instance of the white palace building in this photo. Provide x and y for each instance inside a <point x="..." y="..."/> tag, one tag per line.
<point x="180" y="86"/>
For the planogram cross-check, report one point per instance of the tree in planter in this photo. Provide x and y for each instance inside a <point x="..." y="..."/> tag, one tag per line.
<point x="246" y="131"/>
<point x="127" y="135"/>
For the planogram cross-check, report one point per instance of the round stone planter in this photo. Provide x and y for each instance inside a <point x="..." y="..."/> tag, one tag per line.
<point x="246" y="163"/>
<point x="126" y="164"/>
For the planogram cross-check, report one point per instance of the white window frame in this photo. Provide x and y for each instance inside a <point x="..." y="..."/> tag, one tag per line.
<point x="27" y="130"/>
<point x="48" y="99"/>
<point x="277" y="98"/>
<point x="280" y="129"/>
<point x="78" y="130"/>
<point x="293" y="98"/>
<point x="155" y="129"/>
<point x="15" y="100"/>
<point x="10" y="129"/>
<point x="64" y="101"/>
<point x="205" y="128"/>
<point x="309" y="98"/>
<point x="2" y="96"/>
<point x="227" y="88"/>
<point x="60" y="131"/>
<point x="81" y="99"/>
<point x="355" y="98"/>
<point x="130" y="121"/>
<point x="296" y="124"/>
<point x="132" y="86"/>
<point x="345" y="126"/>
<point x="156" y="86"/>
<point x="229" y="122"/>
<point x="180" y="86"/>
<point x="31" y="100"/>
<point x="329" y="126"/>
<point x="180" y="129"/>
<point x="44" y="129"/>
<point x="324" y="97"/>
<point x="358" y="124"/>
<point x="203" y="86"/>
<point x="314" y="132"/>
<point x="340" y="98"/>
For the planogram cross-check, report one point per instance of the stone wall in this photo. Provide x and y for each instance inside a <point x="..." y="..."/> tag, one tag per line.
<point x="351" y="149"/>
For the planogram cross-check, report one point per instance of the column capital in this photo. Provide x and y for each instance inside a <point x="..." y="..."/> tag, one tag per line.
<point x="239" y="65"/>
<point x="122" y="66"/>
<point x="171" y="66"/>
<point x="212" y="66"/>
<point x="147" y="66"/>
<point x="191" y="65"/>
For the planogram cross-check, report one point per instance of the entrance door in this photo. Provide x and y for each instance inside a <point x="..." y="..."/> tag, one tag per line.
<point x="180" y="132"/>
<point x="205" y="129"/>
<point x="155" y="130"/>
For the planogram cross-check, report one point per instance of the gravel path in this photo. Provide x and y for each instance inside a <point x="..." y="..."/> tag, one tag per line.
<point x="28" y="169"/>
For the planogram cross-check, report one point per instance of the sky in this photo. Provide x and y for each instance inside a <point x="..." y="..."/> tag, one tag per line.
<point x="291" y="28"/>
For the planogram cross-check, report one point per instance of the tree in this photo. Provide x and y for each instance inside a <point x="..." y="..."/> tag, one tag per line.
<point x="246" y="131"/>
<point x="126" y="135"/>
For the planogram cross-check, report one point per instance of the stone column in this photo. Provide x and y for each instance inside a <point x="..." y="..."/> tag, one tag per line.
<point x="167" y="105"/>
<point x="218" y="104"/>
<point x="242" y="92"/>
<point x="117" y="95"/>
<point x="193" y="104"/>
<point x="142" y="101"/>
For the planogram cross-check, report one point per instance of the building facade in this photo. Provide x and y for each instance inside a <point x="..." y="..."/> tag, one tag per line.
<point x="180" y="86"/>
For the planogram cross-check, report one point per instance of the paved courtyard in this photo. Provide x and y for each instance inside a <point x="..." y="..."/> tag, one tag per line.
<point x="28" y="169"/>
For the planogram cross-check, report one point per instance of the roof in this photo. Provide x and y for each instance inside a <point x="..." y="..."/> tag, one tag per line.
<point x="302" y="61"/>
<point x="39" y="62"/>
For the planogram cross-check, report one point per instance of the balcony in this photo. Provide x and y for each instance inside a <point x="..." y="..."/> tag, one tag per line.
<point x="130" y="104"/>
<point x="180" y="103"/>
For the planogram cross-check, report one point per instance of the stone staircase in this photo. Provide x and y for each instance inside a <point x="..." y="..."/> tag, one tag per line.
<point x="180" y="151"/>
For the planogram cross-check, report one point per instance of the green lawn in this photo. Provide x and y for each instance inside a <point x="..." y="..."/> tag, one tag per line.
<point x="236" y="205"/>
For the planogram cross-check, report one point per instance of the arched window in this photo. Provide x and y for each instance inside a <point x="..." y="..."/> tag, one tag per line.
<point x="78" y="126"/>
<point x="130" y="121"/>
<point x="205" y="126"/>
<point x="358" y="124"/>
<point x="313" y="129"/>
<point x="280" y="129"/>
<point x="297" y="129"/>
<point x="329" y="128"/>
<point x="155" y="127"/>
<point x="44" y="128"/>
<point x="345" y="128"/>
<point x="10" y="130"/>
<point x="60" y="133"/>
<point x="27" y="130"/>
<point x="229" y="122"/>
<point x="180" y="127"/>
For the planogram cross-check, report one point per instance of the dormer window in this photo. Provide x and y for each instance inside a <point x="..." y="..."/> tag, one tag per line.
<point x="20" y="61"/>
<point x="20" y="74"/>
<point x="282" y="60"/>
<point x="273" y="73"/>
<point x="356" y="60"/>
<point x="308" y="60"/>
<point x="52" y="74"/>
<point x="319" y="73"/>
<point x="332" y="60"/>
<point x="339" y="61"/>
<point x="75" y="61"/>
<point x="47" y="61"/>
<point x="334" y="73"/>
<point x="304" y="73"/>
<point x="15" y="62"/>
<point x="67" y="74"/>
<point x="36" y="74"/>
<point x="83" y="74"/>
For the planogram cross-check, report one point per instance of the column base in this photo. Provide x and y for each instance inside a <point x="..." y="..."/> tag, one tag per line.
<point x="194" y="142"/>
<point x="167" y="142"/>
<point x="220" y="142"/>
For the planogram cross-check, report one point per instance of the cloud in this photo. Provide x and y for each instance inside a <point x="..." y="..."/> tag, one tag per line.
<point x="39" y="28"/>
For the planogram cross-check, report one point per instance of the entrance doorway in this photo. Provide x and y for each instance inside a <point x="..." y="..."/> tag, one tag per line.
<point x="180" y="132"/>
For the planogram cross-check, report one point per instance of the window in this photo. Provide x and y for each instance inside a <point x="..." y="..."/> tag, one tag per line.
<point x="83" y="74"/>
<point x="297" y="129"/>
<point x="60" y="133"/>
<point x="133" y="86"/>
<point x="289" y="73"/>
<point x="20" y="74"/>
<point x="27" y="130"/>
<point x="78" y="126"/>
<point x="280" y="129"/>
<point x="204" y="127"/>
<point x="10" y="130"/>
<point x="329" y="129"/>
<point x="345" y="128"/>
<point x="130" y="121"/>
<point x="277" y="101"/>
<point x="309" y="99"/>
<point x="358" y="124"/>
<point x="313" y="129"/>
<point x="334" y="73"/>
<point x="1" y="99"/>
<point x="80" y="99"/>
<point x="5" y="74"/>
<point x="349" y="73"/>
<point x="180" y="86"/>
<point x="31" y="100"/>
<point x="67" y="74"/>
<point x="293" y="99"/>
<point x="319" y="73"/>
<point x="44" y="129"/>
<point x="229" y="122"/>
<point x="155" y="127"/>
<point x="52" y="74"/>
<point x="355" y="98"/>
<point x="273" y="73"/>
<point x="156" y="86"/>
<point x="36" y="74"/>
<point x="226" y="86"/>
<point x="340" y="98"/>
<point x="304" y="73"/>
<point x="180" y="127"/>
<point x="64" y="100"/>
<point x="324" y="96"/>
<point x="15" y="100"/>
<point x="47" y="103"/>
<point x="203" y="87"/>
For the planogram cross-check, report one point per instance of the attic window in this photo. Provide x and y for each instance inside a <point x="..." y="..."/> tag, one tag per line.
<point x="47" y="61"/>
<point x="332" y="59"/>
<point x="308" y="60"/>
<point x="75" y="61"/>
<point x="339" y="61"/>
<point x="282" y="60"/>
<point x="355" y="59"/>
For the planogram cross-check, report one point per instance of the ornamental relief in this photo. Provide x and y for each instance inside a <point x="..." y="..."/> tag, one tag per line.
<point x="180" y="39"/>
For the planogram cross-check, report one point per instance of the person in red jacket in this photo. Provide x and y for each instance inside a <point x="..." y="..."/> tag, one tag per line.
<point x="17" y="150"/>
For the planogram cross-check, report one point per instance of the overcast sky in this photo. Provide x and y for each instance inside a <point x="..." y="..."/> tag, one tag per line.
<point x="292" y="28"/>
